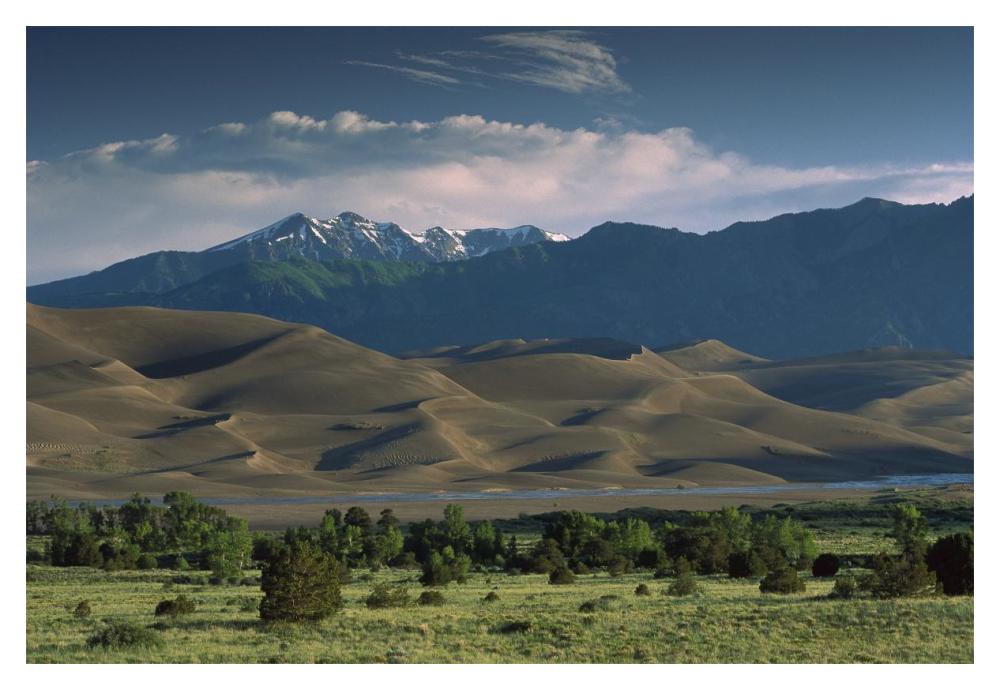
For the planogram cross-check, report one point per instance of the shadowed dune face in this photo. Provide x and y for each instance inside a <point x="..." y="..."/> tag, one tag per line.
<point x="141" y="399"/>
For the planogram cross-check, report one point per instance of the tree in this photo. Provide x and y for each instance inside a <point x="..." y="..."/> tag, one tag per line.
<point x="746" y="564"/>
<point x="456" y="530"/>
<point x="300" y="582"/>
<point x="389" y="544"/>
<point x="484" y="542"/>
<point x="358" y="517"/>
<point x="228" y="551"/>
<point x="909" y="530"/>
<point x="825" y="565"/>
<point x="905" y="575"/>
<point x="950" y="558"/>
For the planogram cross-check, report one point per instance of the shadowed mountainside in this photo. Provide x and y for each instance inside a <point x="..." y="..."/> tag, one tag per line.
<point x="872" y="274"/>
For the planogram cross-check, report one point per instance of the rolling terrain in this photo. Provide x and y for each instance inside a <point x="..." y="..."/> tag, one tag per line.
<point x="152" y="400"/>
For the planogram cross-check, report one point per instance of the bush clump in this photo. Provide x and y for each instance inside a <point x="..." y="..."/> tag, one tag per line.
<point x="905" y="575"/>
<point x="562" y="576"/>
<point x="431" y="597"/>
<point x="491" y="597"/>
<point x="122" y="634"/>
<point x="385" y="597"/>
<point x="512" y="627"/>
<point x="844" y="587"/>
<point x="300" y="582"/>
<point x="147" y="561"/>
<point x="950" y="558"/>
<point x="684" y="583"/>
<point x="608" y="602"/>
<point x="181" y="606"/>
<point x="642" y="590"/>
<point x="82" y="609"/>
<point x="825" y="565"/>
<point x="784" y="580"/>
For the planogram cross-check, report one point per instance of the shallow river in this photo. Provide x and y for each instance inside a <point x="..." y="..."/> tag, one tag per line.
<point x="896" y="481"/>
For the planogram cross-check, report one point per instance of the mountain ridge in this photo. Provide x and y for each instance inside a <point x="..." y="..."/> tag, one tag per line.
<point x="806" y="284"/>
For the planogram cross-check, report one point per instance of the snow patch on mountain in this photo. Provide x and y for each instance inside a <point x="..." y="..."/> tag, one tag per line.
<point x="352" y="236"/>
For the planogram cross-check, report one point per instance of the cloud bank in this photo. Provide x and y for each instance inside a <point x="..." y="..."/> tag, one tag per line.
<point x="97" y="206"/>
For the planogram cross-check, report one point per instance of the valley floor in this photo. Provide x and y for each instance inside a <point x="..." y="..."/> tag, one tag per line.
<point x="730" y="622"/>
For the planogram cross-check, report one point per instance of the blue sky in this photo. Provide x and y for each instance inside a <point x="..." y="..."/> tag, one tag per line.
<point x="141" y="139"/>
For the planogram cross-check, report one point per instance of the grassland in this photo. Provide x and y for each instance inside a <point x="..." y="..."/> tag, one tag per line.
<point x="729" y="622"/>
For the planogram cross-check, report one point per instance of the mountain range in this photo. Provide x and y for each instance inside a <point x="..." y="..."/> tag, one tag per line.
<point x="122" y="400"/>
<point x="875" y="273"/>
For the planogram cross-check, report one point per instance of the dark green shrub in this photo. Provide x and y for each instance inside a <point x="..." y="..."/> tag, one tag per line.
<point x="562" y="576"/>
<point x="491" y="597"/>
<point x="406" y="561"/>
<point x="181" y="606"/>
<point x="385" y="597"/>
<point x="782" y="581"/>
<point x="844" y="587"/>
<point x="905" y="575"/>
<point x="300" y="582"/>
<point x="512" y="627"/>
<point x="147" y="561"/>
<point x="181" y="563"/>
<point x="431" y="597"/>
<point x="642" y="590"/>
<point x="825" y="565"/>
<point x="121" y="634"/>
<point x="82" y="609"/>
<point x="950" y="558"/>
<point x="618" y="565"/>
<point x="684" y="583"/>
<point x="743" y="564"/>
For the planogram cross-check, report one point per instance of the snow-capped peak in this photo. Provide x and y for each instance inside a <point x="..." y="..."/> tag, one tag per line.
<point x="350" y="235"/>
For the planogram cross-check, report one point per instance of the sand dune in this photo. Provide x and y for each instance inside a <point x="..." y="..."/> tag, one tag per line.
<point x="139" y="399"/>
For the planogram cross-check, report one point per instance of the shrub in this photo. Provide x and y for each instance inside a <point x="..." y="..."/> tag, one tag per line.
<point x="491" y="597"/>
<point x="562" y="576"/>
<point x="385" y="597"/>
<point x="147" y="561"/>
<point x="618" y="565"/>
<point x="825" y="565"/>
<point x="406" y="560"/>
<point x="746" y="564"/>
<point x="82" y="609"/>
<point x="905" y="575"/>
<point x="512" y="627"/>
<point x="180" y="606"/>
<point x="431" y="597"/>
<point x="608" y="602"/>
<point x="950" y="558"/>
<point x="844" y="587"/>
<point x="684" y="583"/>
<point x="121" y="634"/>
<point x="181" y="563"/>
<point x="642" y="590"/>
<point x="300" y="582"/>
<point x="782" y="581"/>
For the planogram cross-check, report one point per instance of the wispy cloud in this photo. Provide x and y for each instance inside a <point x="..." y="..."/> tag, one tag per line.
<point x="100" y="205"/>
<point x="420" y="75"/>
<point x="567" y="61"/>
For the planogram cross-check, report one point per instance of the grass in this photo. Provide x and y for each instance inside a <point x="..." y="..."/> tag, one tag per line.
<point x="532" y="622"/>
<point x="731" y="622"/>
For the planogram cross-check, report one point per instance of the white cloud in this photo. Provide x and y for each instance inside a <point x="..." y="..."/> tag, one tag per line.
<point x="93" y="207"/>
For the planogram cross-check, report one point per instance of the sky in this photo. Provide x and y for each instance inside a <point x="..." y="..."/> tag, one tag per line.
<point x="148" y="139"/>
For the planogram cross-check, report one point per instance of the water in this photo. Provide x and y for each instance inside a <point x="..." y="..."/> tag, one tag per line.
<point x="889" y="482"/>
